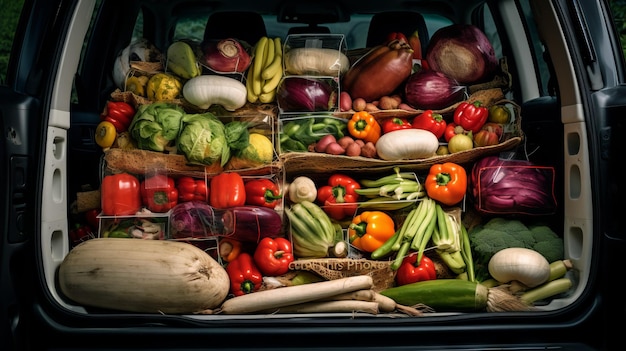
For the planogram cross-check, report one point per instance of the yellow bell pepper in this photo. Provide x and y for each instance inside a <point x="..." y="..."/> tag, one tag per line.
<point x="163" y="87"/>
<point x="105" y="134"/>
<point x="137" y="85"/>
<point x="370" y="230"/>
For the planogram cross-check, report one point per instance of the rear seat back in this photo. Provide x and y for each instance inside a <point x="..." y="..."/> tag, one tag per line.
<point x="312" y="29"/>
<point x="227" y="24"/>
<point x="405" y="22"/>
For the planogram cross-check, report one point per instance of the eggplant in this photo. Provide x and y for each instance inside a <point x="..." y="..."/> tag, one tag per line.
<point x="251" y="223"/>
<point x="379" y="72"/>
<point x="197" y="220"/>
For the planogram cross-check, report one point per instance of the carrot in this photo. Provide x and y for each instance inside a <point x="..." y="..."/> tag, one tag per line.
<point x="291" y="295"/>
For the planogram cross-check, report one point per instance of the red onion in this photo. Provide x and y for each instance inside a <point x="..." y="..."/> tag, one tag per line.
<point x="297" y="94"/>
<point x="462" y="52"/>
<point x="432" y="90"/>
<point x="226" y="55"/>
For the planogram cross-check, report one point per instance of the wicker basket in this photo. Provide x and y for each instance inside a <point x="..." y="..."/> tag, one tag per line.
<point x="336" y="268"/>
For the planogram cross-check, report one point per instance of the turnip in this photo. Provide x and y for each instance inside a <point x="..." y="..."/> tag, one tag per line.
<point x="524" y="265"/>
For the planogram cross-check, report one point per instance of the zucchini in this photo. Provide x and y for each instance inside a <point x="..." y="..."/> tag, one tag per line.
<point x="457" y="295"/>
<point x="441" y="295"/>
<point x="146" y="276"/>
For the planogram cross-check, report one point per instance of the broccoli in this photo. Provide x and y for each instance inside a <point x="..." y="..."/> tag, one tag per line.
<point x="500" y="233"/>
<point x="547" y="242"/>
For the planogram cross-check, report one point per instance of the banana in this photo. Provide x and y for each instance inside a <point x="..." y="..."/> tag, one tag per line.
<point x="251" y="96"/>
<point x="181" y="60"/>
<point x="267" y="97"/>
<point x="270" y="52"/>
<point x="276" y="66"/>
<point x="272" y="83"/>
<point x="257" y="65"/>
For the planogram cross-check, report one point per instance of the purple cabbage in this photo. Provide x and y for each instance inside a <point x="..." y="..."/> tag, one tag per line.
<point x="501" y="186"/>
<point x="194" y="219"/>
<point x="297" y="94"/>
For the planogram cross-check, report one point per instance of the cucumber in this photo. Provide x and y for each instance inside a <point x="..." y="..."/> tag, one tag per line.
<point x="441" y="295"/>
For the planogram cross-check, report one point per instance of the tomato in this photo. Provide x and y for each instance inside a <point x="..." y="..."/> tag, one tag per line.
<point x="105" y="134"/>
<point x="460" y="142"/>
<point x="486" y="138"/>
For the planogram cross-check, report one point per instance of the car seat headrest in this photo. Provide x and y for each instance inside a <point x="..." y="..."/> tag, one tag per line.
<point x="222" y="25"/>
<point x="405" y="22"/>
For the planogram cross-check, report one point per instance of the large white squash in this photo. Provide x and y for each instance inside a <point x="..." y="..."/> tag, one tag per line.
<point x="148" y="276"/>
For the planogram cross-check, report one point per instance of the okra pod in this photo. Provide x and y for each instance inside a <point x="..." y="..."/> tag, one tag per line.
<point x="389" y="179"/>
<point x="386" y="248"/>
<point x="466" y="252"/>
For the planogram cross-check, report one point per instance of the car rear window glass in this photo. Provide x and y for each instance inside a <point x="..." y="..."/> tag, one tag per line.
<point x="9" y="17"/>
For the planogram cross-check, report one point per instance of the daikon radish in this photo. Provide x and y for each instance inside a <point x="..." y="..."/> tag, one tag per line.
<point x="291" y="295"/>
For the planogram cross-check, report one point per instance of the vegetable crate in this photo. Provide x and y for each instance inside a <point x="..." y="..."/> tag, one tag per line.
<point x="153" y="226"/>
<point x="312" y="65"/>
<point x="299" y="133"/>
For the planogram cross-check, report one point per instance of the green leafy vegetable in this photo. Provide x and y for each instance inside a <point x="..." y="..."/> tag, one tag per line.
<point x="156" y="126"/>
<point x="202" y="139"/>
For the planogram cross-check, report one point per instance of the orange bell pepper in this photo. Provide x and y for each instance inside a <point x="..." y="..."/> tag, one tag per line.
<point x="446" y="183"/>
<point x="363" y="125"/>
<point x="370" y="230"/>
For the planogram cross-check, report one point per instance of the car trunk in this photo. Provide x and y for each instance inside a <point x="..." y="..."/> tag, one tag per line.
<point x="573" y="133"/>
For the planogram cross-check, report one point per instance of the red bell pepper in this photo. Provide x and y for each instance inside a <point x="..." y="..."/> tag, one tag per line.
<point x="227" y="189"/>
<point x="411" y="271"/>
<point x="416" y="45"/>
<point x="191" y="189"/>
<point x="119" y="113"/>
<point x="120" y="194"/>
<point x="394" y="123"/>
<point x="471" y="117"/>
<point x="338" y="197"/>
<point x="159" y="193"/>
<point x="262" y="192"/>
<point x="273" y="256"/>
<point x="397" y="36"/>
<point x="245" y="277"/>
<point x="80" y="233"/>
<point x="91" y="216"/>
<point x="430" y="121"/>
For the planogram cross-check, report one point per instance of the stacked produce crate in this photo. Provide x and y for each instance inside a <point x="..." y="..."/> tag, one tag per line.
<point x="302" y="173"/>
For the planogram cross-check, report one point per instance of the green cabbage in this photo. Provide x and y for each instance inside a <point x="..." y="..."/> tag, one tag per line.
<point x="202" y="139"/>
<point x="155" y="126"/>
